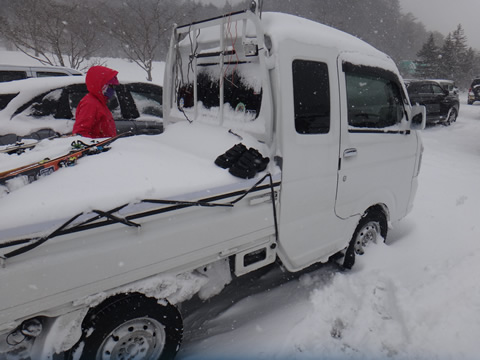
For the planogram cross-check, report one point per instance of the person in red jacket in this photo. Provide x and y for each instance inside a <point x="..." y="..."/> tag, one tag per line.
<point x="93" y="118"/>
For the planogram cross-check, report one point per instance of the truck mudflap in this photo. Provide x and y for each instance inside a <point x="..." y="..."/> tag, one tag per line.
<point x="100" y="218"/>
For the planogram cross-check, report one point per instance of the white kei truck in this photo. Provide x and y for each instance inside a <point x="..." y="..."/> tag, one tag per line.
<point x="301" y="145"/>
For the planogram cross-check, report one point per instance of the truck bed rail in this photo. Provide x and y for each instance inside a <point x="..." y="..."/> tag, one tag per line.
<point x="110" y="218"/>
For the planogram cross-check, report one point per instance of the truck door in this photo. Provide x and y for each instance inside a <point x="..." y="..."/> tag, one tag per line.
<point x="377" y="149"/>
<point x="309" y="229"/>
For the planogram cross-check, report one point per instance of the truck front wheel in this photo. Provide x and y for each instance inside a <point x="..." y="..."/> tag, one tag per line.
<point x="130" y="327"/>
<point x="372" y="226"/>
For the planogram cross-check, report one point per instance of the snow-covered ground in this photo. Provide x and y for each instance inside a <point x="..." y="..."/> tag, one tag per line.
<point x="418" y="297"/>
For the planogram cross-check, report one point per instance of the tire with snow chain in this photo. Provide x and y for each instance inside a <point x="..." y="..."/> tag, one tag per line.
<point x="372" y="226"/>
<point x="452" y="117"/>
<point x="130" y="326"/>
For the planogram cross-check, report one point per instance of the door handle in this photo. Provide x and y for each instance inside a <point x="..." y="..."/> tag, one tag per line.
<point x="349" y="152"/>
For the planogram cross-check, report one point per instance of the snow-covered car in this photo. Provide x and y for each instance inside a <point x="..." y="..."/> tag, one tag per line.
<point x="474" y="92"/>
<point x="440" y="98"/>
<point x="39" y="108"/>
<point x="19" y="72"/>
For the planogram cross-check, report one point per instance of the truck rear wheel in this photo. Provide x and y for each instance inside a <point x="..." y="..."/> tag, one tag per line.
<point x="372" y="226"/>
<point x="130" y="327"/>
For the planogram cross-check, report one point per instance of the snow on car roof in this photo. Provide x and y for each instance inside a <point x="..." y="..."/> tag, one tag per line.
<point x="35" y="86"/>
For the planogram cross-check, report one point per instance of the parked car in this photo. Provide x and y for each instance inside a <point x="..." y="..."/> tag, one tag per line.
<point x="440" y="98"/>
<point x="407" y="82"/>
<point x="474" y="91"/>
<point x="17" y="72"/>
<point x="40" y="108"/>
<point x="448" y="85"/>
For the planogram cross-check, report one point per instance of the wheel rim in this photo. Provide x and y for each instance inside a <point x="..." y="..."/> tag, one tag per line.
<point x="368" y="233"/>
<point x="142" y="338"/>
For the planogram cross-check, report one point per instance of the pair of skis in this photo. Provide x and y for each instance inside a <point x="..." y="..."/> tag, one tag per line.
<point x="17" y="148"/>
<point x="47" y="166"/>
<point x="20" y="147"/>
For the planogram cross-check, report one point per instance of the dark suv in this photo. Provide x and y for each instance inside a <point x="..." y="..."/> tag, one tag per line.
<point x="474" y="92"/>
<point x="440" y="98"/>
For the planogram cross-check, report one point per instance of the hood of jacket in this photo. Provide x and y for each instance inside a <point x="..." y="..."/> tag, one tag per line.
<point x="97" y="77"/>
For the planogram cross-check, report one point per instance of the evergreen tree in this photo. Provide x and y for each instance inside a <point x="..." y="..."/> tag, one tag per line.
<point x="462" y="59"/>
<point x="456" y="59"/>
<point x="428" y="59"/>
<point x="447" y="59"/>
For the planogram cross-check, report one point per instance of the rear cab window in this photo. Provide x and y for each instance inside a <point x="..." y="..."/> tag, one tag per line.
<point x="311" y="94"/>
<point x="220" y="77"/>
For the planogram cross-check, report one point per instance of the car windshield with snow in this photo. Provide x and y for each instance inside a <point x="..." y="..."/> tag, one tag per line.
<point x="40" y="108"/>
<point x="474" y="92"/>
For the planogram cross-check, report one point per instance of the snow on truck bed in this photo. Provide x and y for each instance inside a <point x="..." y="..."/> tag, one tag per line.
<point x="175" y="165"/>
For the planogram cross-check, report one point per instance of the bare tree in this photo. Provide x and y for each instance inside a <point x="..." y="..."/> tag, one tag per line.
<point x="142" y="27"/>
<point x="51" y="32"/>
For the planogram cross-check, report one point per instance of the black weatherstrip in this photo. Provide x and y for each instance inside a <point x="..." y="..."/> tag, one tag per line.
<point x="372" y="131"/>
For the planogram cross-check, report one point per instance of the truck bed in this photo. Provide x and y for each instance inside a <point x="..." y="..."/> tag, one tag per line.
<point x="125" y="224"/>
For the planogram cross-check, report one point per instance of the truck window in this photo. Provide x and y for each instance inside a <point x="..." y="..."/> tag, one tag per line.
<point x="50" y="74"/>
<point x="437" y="90"/>
<point x="311" y="96"/>
<point x="8" y="75"/>
<point x="148" y="103"/>
<point x="373" y="101"/>
<point x="241" y="93"/>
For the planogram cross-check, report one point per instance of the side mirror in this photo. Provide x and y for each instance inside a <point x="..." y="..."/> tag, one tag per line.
<point x="419" y="117"/>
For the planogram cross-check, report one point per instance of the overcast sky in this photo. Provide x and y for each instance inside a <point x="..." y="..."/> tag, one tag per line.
<point x="439" y="15"/>
<point x="445" y="15"/>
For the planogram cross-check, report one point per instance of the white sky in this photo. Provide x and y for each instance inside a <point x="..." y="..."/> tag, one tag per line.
<point x="218" y="2"/>
<point x="445" y="15"/>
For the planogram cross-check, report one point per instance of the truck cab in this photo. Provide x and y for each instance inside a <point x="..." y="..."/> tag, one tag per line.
<point x="332" y="111"/>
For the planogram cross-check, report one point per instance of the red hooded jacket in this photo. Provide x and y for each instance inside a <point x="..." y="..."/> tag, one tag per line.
<point x="93" y="119"/>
